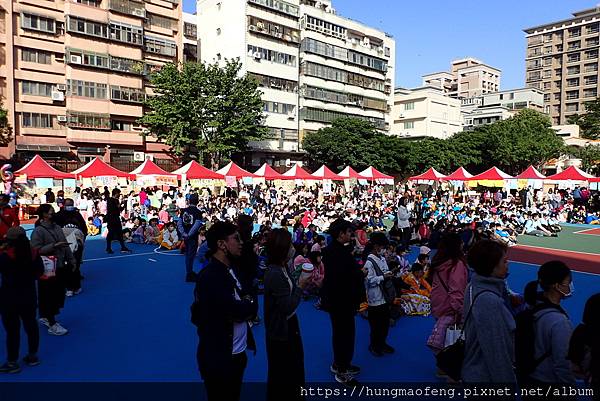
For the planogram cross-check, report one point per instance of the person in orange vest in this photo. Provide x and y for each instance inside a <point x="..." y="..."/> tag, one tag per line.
<point x="9" y="216"/>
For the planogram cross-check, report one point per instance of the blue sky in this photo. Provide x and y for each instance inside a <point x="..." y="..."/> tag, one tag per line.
<point x="429" y="34"/>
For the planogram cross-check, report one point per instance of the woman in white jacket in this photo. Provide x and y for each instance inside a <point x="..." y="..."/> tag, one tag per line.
<point x="403" y="216"/>
<point x="377" y="271"/>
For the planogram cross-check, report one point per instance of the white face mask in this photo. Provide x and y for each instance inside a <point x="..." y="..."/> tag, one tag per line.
<point x="571" y="291"/>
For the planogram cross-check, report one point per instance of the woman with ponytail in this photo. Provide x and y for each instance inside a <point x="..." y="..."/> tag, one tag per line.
<point x="552" y="326"/>
<point x="584" y="348"/>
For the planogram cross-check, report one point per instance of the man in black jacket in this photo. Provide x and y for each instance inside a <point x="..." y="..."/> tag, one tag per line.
<point x="221" y="310"/>
<point x="343" y="291"/>
<point x="113" y="222"/>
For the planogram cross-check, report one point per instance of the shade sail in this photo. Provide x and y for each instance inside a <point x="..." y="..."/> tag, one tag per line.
<point x="233" y="170"/>
<point x="195" y="171"/>
<point x="493" y="174"/>
<point x="459" y="175"/>
<point x="349" y="172"/>
<point x="531" y="173"/>
<point x="372" y="173"/>
<point x="298" y="173"/>
<point x="98" y="168"/>
<point x="430" y="175"/>
<point x="571" y="173"/>
<point x="324" y="173"/>
<point x="268" y="173"/>
<point x="148" y="167"/>
<point x="39" y="168"/>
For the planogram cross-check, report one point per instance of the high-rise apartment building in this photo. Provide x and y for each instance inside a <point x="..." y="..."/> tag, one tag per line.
<point x="467" y="78"/>
<point x="74" y="73"/>
<point x="313" y="66"/>
<point x="562" y="61"/>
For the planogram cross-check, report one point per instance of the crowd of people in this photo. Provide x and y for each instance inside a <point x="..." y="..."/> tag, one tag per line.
<point x="347" y="251"/>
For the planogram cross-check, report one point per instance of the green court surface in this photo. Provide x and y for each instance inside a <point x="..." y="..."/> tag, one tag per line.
<point x="567" y="240"/>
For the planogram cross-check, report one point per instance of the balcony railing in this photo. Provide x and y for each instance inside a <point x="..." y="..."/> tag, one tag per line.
<point x="129" y="7"/>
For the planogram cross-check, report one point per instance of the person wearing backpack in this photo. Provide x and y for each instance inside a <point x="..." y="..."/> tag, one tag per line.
<point x="189" y="226"/>
<point x="544" y="330"/>
<point x="75" y="231"/>
<point x="584" y="347"/>
<point x="489" y="325"/>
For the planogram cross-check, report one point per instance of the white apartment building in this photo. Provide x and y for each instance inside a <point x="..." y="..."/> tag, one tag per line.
<point x="313" y="66"/>
<point x="467" y="78"/>
<point x="425" y="112"/>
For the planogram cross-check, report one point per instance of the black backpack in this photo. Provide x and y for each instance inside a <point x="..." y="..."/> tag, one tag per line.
<point x="525" y="333"/>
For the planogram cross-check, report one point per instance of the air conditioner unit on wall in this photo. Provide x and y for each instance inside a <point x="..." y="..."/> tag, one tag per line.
<point x="61" y="87"/>
<point x="61" y="119"/>
<point x="140" y="12"/>
<point x="139" y="156"/>
<point x="75" y="59"/>
<point x="58" y="96"/>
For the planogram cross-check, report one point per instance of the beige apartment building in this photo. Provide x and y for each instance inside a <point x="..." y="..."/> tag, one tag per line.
<point x="562" y="61"/>
<point x="74" y="73"/>
<point x="467" y="78"/>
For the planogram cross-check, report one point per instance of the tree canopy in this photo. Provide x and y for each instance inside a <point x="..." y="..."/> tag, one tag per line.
<point x="511" y="145"/>
<point x="204" y="109"/>
<point x="589" y="122"/>
<point x="5" y="128"/>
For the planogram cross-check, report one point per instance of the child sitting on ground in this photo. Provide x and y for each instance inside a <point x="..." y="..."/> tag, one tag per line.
<point x="415" y="300"/>
<point x="91" y="227"/>
<point x="153" y="232"/>
<point x="170" y="239"/>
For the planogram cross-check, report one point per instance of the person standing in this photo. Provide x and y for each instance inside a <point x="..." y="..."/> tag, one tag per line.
<point x="75" y="228"/>
<point x="9" y="216"/>
<point x="188" y="225"/>
<point x="48" y="238"/>
<point x="342" y="293"/>
<point x="285" y="353"/>
<point x="113" y="222"/>
<point x="19" y="269"/>
<point x="403" y="217"/>
<point x="221" y="311"/>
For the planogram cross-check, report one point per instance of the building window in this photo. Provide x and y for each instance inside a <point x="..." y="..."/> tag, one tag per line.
<point x="160" y="46"/>
<point x="367" y="61"/>
<point x="409" y="125"/>
<point x="264" y="27"/>
<point x="572" y="95"/>
<point x="573" y="82"/>
<point x="84" y="27"/>
<point x="338" y="75"/>
<point x="124" y="94"/>
<point x="327" y="28"/>
<point x="278" y="108"/>
<point x="93" y="3"/>
<point x="89" y="59"/>
<point x="573" y="70"/>
<point x="592" y="28"/>
<point x="36" y="88"/>
<point x="190" y="30"/>
<point x="131" y="7"/>
<point x="126" y="33"/>
<point x="281" y="84"/>
<point x="572" y="107"/>
<point x="160" y="21"/>
<point x="117" y="125"/>
<point x="310" y="45"/>
<point x="591" y="54"/>
<point x="574" y="32"/>
<point x="37" y="23"/>
<point x="331" y="96"/>
<point x="574" y="45"/>
<point x="271" y="55"/>
<point x="36" y="56"/>
<point x="409" y="106"/>
<point x="327" y="116"/>
<point x="573" y="57"/>
<point x="128" y="65"/>
<point x="593" y="67"/>
<point x="591" y="80"/>
<point x="37" y="120"/>
<point x="86" y="89"/>
<point x="88" y="120"/>
<point x="547" y="97"/>
<point x="593" y="92"/>
<point x="279" y="5"/>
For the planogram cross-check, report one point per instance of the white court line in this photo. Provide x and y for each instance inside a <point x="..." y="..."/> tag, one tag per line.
<point x="538" y="265"/>
<point x="584" y="231"/>
<point x="125" y="256"/>
<point x="553" y="249"/>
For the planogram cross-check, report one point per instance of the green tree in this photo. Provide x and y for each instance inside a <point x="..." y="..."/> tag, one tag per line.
<point x="5" y="128"/>
<point x="589" y="122"/>
<point x="205" y="109"/>
<point x="590" y="157"/>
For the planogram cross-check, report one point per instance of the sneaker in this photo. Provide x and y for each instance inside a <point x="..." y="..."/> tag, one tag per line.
<point x="125" y="250"/>
<point x="191" y="277"/>
<point x="388" y="349"/>
<point x="45" y="322"/>
<point x="10" y="367"/>
<point x="352" y="369"/>
<point x="346" y="379"/>
<point x="31" y="360"/>
<point x="110" y="251"/>
<point x="69" y="293"/>
<point x="57" y="330"/>
<point x="77" y="292"/>
<point x="375" y="351"/>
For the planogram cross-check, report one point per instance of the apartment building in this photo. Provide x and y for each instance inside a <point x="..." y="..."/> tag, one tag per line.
<point x="191" y="48"/>
<point x="467" y="78"/>
<point x="425" y="112"/>
<point x="562" y="61"/>
<point x="75" y="73"/>
<point x="312" y="65"/>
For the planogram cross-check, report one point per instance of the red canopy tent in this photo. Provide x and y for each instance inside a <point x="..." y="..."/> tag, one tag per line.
<point x="531" y="173"/>
<point x="430" y="175"/>
<point x="195" y="171"/>
<point x="324" y="173"/>
<point x="298" y="173"/>
<point x="39" y="168"/>
<point x="349" y="172"/>
<point x="571" y="173"/>
<point x="148" y="167"/>
<point x="98" y="168"/>
<point x="268" y="173"/>
<point x="459" y="175"/>
<point x="372" y="173"/>
<point x="493" y="174"/>
<point x="233" y="170"/>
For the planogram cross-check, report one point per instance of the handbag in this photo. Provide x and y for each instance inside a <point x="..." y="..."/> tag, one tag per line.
<point x="450" y="359"/>
<point x="387" y="285"/>
<point x="49" y="267"/>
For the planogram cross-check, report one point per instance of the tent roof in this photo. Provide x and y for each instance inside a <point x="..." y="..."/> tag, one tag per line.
<point x="494" y="174"/>
<point x="233" y="170"/>
<point x="571" y="173"/>
<point x="459" y="175"/>
<point x="373" y="174"/>
<point x="431" y="174"/>
<point x="268" y="173"/>
<point x="349" y="172"/>
<point x="324" y="173"/>
<point x="531" y="173"/>
<point x="298" y="173"/>
<point x="195" y="171"/>
<point x="39" y="168"/>
<point x="98" y="168"/>
<point x="148" y="167"/>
